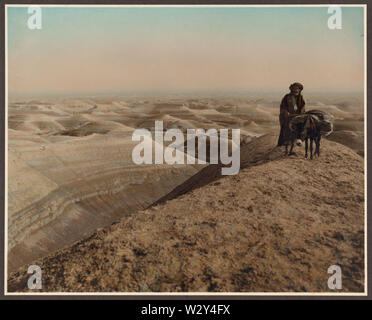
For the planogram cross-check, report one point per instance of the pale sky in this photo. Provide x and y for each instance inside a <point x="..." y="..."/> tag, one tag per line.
<point x="88" y="50"/>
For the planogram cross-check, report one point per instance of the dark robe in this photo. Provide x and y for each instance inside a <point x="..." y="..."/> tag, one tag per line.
<point x="288" y="110"/>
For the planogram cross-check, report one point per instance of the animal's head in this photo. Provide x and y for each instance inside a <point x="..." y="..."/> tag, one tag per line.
<point x="301" y="127"/>
<point x="297" y="129"/>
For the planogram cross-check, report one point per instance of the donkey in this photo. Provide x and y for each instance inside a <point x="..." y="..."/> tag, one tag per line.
<point x="310" y="125"/>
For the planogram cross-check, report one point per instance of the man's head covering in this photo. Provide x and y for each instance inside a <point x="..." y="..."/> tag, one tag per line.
<point x="296" y="84"/>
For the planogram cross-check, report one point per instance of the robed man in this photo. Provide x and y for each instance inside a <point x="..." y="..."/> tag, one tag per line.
<point x="292" y="104"/>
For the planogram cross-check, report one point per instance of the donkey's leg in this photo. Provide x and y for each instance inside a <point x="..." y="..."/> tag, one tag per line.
<point x="306" y="146"/>
<point x="311" y="147"/>
<point x="317" y="151"/>
<point x="286" y="149"/>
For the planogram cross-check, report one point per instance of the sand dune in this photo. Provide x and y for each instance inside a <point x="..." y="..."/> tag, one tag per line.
<point x="70" y="167"/>
<point x="352" y="139"/>
<point x="67" y="180"/>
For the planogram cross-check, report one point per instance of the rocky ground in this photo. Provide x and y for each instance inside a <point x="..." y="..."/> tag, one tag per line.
<point x="275" y="227"/>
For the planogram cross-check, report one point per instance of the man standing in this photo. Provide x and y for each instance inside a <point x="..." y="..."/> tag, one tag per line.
<point x="292" y="104"/>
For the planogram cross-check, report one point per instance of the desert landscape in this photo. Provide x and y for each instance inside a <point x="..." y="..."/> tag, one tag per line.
<point x="94" y="221"/>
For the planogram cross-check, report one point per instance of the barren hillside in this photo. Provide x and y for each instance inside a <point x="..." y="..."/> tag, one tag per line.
<point x="276" y="226"/>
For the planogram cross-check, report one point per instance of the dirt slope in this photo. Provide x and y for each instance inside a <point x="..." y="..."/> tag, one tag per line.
<point x="276" y="226"/>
